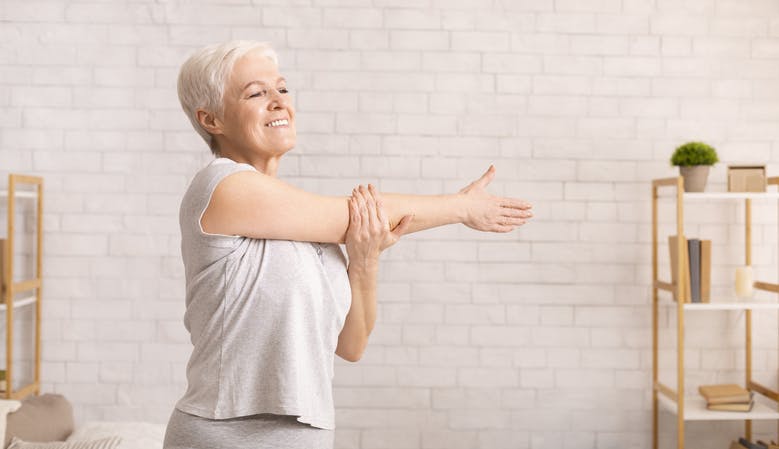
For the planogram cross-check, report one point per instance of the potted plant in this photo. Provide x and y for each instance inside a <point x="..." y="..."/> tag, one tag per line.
<point x="694" y="160"/>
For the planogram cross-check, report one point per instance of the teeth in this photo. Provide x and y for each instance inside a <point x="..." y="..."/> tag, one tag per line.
<point x="278" y="123"/>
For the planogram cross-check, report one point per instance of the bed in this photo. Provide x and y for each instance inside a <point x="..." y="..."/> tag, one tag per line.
<point x="49" y="418"/>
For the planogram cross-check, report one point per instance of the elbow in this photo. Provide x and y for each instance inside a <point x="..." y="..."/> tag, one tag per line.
<point x="353" y="354"/>
<point x="357" y="353"/>
<point x="354" y="358"/>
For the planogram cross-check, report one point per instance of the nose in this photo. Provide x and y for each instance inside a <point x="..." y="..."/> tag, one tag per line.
<point x="277" y="100"/>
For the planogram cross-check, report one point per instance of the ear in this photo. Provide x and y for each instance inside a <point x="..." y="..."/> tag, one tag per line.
<point x="209" y="121"/>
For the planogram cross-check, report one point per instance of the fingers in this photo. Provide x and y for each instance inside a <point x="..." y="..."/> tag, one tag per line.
<point x="373" y="219"/>
<point x="516" y="213"/>
<point x="355" y="221"/>
<point x="514" y="203"/>
<point x="482" y="182"/>
<point x="507" y="224"/>
<point x="382" y="216"/>
<point x="368" y="210"/>
<point x="362" y="208"/>
<point x="513" y="222"/>
<point x="513" y="213"/>
<point x="487" y="177"/>
<point x="503" y="229"/>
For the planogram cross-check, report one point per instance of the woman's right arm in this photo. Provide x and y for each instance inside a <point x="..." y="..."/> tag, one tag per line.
<point x="252" y="204"/>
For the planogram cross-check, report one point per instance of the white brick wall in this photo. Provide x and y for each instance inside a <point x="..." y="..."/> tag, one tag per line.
<point x="539" y="338"/>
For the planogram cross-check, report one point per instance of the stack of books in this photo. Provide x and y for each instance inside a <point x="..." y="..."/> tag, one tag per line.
<point x="696" y="268"/>
<point x="743" y="443"/>
<point x="3" y="243"/>
<point x="727" y="397"/>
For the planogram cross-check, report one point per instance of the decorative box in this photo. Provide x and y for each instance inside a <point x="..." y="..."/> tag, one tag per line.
<point x="746" y="178"/>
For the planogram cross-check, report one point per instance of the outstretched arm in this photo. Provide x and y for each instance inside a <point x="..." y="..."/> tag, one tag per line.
<point x="252" y="204"/>
<point x="429" y="211"/>
<point x="472" y="206"/>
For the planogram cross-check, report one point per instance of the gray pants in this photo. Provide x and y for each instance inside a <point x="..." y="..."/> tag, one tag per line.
<point x="263" y="431"/>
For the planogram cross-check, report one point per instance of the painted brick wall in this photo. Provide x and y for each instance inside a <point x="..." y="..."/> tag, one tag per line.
<point x="539" y="338"/>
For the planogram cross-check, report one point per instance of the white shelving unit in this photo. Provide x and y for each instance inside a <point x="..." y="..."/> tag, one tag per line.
<point x="29" y="289"/>
<point x="691" y="404"/>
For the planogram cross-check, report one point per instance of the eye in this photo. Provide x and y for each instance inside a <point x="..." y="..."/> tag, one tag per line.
<point x="283" y="90"/>
<point x="258" y="94"/>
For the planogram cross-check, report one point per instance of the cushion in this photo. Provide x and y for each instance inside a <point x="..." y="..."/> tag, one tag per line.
<point x="134" y="435"/>
<point x="7" y="406"/>
<point x="48" y="417"/>
<point x="105" y="443"/>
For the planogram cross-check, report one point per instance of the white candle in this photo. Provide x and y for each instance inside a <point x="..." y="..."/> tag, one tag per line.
<point x="744" y="282"/>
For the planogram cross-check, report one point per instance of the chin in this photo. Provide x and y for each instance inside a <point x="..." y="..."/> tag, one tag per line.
<point x="285" y="148"/>
<point x="288" y="144"/>
<point x="283" y="143"/>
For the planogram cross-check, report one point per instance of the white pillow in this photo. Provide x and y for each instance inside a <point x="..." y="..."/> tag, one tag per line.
<point x="135" y="435"/>
<point x="6" y="406"/>
<point x="103" y="443"/>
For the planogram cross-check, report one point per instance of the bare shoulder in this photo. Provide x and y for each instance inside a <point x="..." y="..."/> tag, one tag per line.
<point x="239" y="184"/>
<point x="231" y="191"/>
<point x="253" y="204"/>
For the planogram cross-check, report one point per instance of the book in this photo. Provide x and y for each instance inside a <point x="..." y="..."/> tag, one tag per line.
<point x="694" y="248"/>
<point x="3" y="242"/>
<point x="732" y="406"/>
<point x="724" y="393"/>
<point x="685" y="264"/>
<point x="744" y="442"/>
<point x="771" y="445"/>
<point x="705" y="270"/>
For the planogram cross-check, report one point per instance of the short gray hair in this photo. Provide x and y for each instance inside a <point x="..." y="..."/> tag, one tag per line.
<point x="202" y="79"/>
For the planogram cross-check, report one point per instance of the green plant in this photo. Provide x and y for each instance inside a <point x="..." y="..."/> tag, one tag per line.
<point x="694" y="153"/>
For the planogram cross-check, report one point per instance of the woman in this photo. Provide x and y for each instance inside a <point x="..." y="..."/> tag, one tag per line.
<point x="269" y="295"/>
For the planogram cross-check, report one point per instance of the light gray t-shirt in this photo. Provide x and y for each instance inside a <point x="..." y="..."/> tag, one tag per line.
<point x="263" y="315"/>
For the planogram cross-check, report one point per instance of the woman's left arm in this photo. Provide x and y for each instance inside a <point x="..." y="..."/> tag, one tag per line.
<point x="367" y="236"/>
<point x="471" y="206"/>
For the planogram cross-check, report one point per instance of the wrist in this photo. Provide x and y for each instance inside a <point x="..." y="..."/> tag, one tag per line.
<point x="460" y="201"/>
<point x="364" y="266"/>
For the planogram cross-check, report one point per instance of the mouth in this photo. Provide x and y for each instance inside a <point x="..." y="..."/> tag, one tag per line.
<point x="282" y="123"/>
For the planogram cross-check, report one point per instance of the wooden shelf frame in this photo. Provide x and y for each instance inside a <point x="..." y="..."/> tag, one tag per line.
<point x="675" y="400"/>
<point x="28" y="285"/>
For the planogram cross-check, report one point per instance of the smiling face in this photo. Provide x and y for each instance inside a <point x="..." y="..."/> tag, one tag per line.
<point x="258" y="117"/>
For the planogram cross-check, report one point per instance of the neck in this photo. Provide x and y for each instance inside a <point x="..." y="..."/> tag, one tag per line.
<point x="268" y="165"/>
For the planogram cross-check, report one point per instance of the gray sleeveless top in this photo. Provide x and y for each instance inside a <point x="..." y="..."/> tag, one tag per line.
<point x="263" y="316"/>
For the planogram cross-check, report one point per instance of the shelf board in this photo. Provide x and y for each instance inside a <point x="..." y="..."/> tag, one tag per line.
<point x="20" y="194"/>
<point x="724" y="303"/>
<point x="27" y="300"/>
<point x="735" y="305"/>
<point x="695" y="410"/>
<point x="729" y="195"/>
